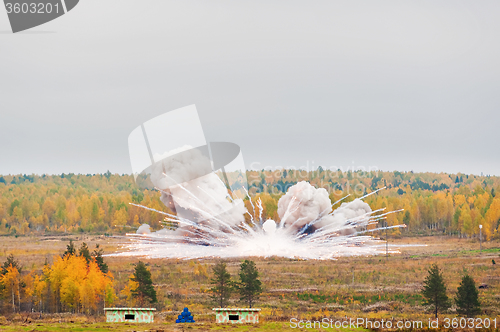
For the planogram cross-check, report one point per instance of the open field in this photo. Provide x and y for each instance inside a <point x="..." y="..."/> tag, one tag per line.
<point x="373" y="287"/>
<point x="159" y="327"/>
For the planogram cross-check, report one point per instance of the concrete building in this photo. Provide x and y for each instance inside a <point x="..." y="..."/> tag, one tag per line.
<point x="136" y="315"/>
<point x="236" y="315"/>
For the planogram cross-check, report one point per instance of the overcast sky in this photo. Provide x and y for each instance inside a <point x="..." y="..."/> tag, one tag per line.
<point x="396" y="85"/>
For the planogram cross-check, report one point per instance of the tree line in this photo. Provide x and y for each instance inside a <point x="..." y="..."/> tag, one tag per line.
<point x="450" y="204"/>
<point x="78" y="281"/>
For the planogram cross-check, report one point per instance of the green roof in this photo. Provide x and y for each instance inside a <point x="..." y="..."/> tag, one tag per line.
<point x="235" y="309"/>
<point x="123" y="309"/>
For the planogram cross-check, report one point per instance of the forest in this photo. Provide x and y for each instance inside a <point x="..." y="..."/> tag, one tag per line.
<point x="432" y="203"/>
<point x="40" y="214"/>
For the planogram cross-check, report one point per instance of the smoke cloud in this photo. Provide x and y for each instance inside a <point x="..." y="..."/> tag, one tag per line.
<point x="304" y="204"/>
<point x="192" y="190"/>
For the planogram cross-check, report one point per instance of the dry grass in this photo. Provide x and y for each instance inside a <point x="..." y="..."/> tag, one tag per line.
<point x="297" y="288"/>
<point x="33" y="251"/>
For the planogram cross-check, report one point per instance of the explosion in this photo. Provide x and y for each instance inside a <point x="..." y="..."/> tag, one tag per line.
<point x="307" y="230"/>
<point x="205" y="186"/>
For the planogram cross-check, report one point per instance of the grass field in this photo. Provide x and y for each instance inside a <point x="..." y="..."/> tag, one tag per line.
<point x="157" y="327"/>
<point x="372" y="287"/>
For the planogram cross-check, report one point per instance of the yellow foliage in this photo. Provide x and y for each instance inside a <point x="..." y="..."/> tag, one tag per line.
<point x="491" y="218"/>
<point x="127" y="291"/>
<point x="459" y="200"/>
<point x="78" y="285"/>
<point x="10" y="282"/>
<point x="39" y="290"/>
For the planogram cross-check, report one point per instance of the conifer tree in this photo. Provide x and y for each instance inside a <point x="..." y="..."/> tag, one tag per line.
<point x="70" y="249"/>
<point x="249" y="285"/>
<point x="434" y="290"/>
<point x="11" y="261"/>
<point x="97" y="255"/>
<point x="145" y="289"/>
<point x="85" y="252"/>
<point x="467" y="298"/>
<point x="223" y="286"/>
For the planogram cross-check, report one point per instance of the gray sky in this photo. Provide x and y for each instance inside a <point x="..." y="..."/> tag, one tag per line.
<point x="410" y="85"/>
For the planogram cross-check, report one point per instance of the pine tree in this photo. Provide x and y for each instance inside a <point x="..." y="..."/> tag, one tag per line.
<point x="467" y="298"/>
<point x="11" y="261"/>
<point x="85" y="252"/>
<point x="97" y="255"/>
<point x="223" y="286"/>
<point x="434" y="290"/>
<point x="145" y="289"/>
<point x="249" y="285"/>
<point x="70" y="249"/>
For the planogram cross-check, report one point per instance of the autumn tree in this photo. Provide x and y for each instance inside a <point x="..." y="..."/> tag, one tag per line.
<point x="39" y="291"/>
<point x="434" y="290"/>
<point x="222" y="285"/>
<point x="10" y="273"/>
<point x="28" y="288"/>
<point x="128" y="291"/>
<point x="492" y="219"/>
<point x="96" y="286"/>
<point x="75" y="271"/>
<point x="77" y="285"/>
<point x="144" y="290"/>
<point x="10" y="282"/>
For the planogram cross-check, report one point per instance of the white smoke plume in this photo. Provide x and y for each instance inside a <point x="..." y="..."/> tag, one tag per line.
<point x="351" y="211"/>
<point x="179" y="166"/>
<point x="192" y="190"/>
<point x="144" y="229"/>
<point x="304" y="204"/>
<point x="308" y="229"/>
